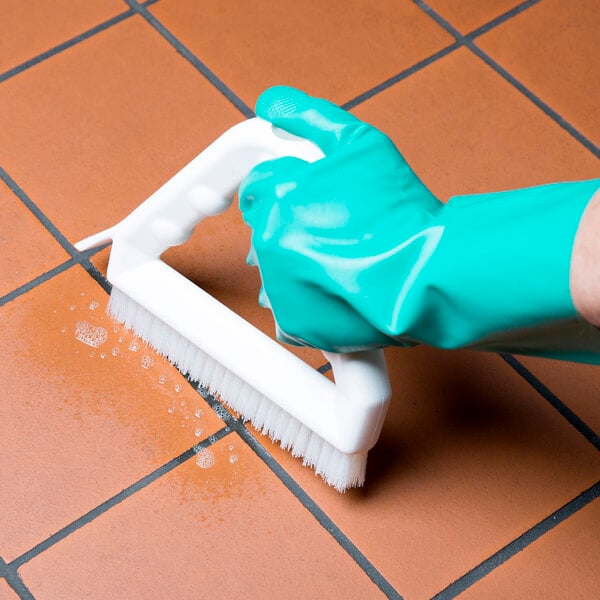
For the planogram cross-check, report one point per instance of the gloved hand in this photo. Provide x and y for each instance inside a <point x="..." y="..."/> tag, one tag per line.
<point x="355" y="252"/>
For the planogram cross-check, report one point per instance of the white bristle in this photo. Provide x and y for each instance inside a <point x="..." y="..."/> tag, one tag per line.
<point x="339" y="470"/>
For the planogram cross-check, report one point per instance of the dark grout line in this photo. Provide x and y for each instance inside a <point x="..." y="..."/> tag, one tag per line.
<point x="77" y="258"/>
<point x="82" y="261"/>
<point x="65" y="45"/>
<point x="438" y="55"/>
<point x="37" y="281"/>
<point x="513" y="12"/>
<point x="522" y="542"/>
<point x="238" y="426"/>
<point x="324" y="368"/>
<point x="400" y="76"/>
<point x="97" y="276"/>
<point x="14" y="581"/>
<point x="319" y="514"/>
<point x="587" y="432"/>
<point x="545" y="108"/>
<point x="37" y="212"/>
<point x="117" y="499"/>
<point x="192" y="58"/>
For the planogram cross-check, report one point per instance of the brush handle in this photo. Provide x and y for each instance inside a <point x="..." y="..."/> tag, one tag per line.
<point x="356" y="404"/>
<point x="204" y="187"/>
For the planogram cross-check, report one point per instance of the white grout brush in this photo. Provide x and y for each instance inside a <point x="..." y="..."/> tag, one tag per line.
<point x="331" y="425"/>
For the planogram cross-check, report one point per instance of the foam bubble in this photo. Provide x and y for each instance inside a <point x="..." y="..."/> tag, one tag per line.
<point x="205" y="458"/>
<point x="89" y="334"/>
<point x="146" y="361"/>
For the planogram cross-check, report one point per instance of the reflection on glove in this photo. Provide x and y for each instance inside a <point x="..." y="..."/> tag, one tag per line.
<point x="355" y="252"/>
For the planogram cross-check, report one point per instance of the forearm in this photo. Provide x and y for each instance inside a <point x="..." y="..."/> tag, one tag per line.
<point x="585" y="264"/>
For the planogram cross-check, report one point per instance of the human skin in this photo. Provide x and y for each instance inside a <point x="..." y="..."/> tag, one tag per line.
<point x="585" y="264"/>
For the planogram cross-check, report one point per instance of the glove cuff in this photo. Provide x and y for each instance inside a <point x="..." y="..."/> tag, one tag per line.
<point x="498" y="278"/>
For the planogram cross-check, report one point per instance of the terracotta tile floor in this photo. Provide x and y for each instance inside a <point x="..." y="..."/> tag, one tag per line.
<point x="119" y="479"/>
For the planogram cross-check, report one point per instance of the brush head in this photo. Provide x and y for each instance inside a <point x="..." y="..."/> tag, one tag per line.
<point x="340" y="470"/>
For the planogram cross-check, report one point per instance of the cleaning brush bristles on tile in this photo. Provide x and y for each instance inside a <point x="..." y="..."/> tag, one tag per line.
<point x="331" y="425"/>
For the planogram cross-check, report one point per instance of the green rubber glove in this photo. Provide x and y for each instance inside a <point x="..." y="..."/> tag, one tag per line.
<point x="355" y="252"/>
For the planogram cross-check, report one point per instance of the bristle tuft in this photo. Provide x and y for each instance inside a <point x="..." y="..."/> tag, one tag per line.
<point x="339" y="470"/>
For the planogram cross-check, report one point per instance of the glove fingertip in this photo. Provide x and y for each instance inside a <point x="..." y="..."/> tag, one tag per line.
<point x="279" y="101"/>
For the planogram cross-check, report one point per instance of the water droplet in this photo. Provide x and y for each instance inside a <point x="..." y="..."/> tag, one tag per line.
<point x="198" y="431"/>
<point x="171" y="409"/>
<point x="231" y="448"/>
<point x="115" y="352"/>
<point x="178" y="387"/>
<point x="94" y="305"/>
<point x="90" y="335"/>
<point x="72" y="307"/>
<point x="115" y="329"/>
<point x="146" y="361"/>
<point x="187" y="417"/>
<point x="162" y="379"/>
<point x="205" y="458"/>
<point x="134" y="346"/>
<point x="233" y="459"/>
<point x="182" y="403"/>
<point x="198" y="412"/>
<point x="64" y="329"/>
<point x="102" y="355"/>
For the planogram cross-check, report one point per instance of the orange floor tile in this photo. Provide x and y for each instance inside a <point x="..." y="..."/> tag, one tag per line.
<point x="119" y="478"/>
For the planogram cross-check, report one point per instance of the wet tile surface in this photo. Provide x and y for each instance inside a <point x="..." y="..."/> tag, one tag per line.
<point x="317" y="46"/>
<point x="562" y="564"/>
<point x="27" y="249"/>
<point x="103" y="491"/>
<point x="227" y="529"/>
<point x="31" y="28"/>
<point x="86" y="411"/>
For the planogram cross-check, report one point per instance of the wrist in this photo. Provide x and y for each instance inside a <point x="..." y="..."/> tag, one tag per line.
<point x="585" y="264"/>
